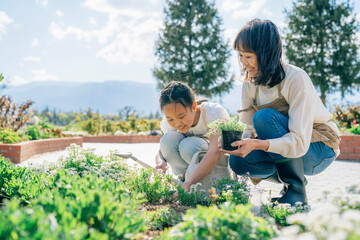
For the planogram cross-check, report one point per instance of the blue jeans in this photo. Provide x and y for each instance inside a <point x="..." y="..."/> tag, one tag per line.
<point x="178" y="150"/>
<point x="268" y="124"/>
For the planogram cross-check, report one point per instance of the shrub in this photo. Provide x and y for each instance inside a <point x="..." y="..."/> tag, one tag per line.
<point x="7" y="135"/>
<point x="346" y="116"/>
<point x="12" y="115"/>
<point x="162" y="218"/>
<point x="228" y="221"/>
<point x="192" y="198"/>
<point x="226" y="189"/>
<point x="281" y="212"/>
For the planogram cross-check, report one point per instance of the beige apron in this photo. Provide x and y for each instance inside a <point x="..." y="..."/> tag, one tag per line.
<point x="321" y="131"/>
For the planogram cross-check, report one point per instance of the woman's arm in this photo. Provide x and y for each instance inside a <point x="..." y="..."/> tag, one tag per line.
<point x="247" y="116"/>
<point x="207" y="163"/>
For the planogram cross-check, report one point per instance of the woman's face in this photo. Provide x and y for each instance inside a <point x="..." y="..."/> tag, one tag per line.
<point x="179" y="117"/>
<point x="249" y="62"/>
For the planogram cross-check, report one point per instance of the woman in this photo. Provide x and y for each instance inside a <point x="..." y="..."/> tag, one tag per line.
<point x="281" y="106"/>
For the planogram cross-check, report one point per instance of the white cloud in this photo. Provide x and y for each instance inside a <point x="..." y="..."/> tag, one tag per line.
<point x="128" y="35"/>
<point x="93" y="22"/>
<point x="31" y="59"/>
<point x="240" y="9"/>
<point x="34" y="42"/>
<point x="59" y="13"/>
<point x="42" y="2"/>
<point x="4" y="20"/>
<point x="42" y="75"/>
<point x="16" y="81"/>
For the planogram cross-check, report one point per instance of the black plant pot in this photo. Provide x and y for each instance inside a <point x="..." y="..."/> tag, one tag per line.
<point x="229" y="137"/>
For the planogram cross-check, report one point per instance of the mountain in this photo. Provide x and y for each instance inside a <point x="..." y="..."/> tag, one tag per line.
<point x="105" y="97"/>
<point x="111" y="96"/>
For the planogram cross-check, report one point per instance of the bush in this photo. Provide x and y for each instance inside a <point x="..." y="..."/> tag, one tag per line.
<point x="346" y="116"/>
<point x="163" y="218"/>
<point x="228" y="221"/>
<point x="9" y="136"/>
<point x="281" y="212"/>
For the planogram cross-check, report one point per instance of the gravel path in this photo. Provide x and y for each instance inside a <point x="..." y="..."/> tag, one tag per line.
<point x="340" y="174"/>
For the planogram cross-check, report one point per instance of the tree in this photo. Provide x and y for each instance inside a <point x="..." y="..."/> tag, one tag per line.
<point x="190" y="48"/>
<point x="321" y="39"/>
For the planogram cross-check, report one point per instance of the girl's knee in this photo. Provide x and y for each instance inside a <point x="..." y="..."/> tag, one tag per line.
<point x="191" y="145"/>
<point x="170" y="139"/>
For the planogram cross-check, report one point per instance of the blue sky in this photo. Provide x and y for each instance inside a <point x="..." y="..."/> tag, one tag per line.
<point x="100" y="40"/>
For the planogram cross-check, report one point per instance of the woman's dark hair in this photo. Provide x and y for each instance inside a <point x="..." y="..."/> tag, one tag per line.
<point x="262" y="38"/>
<point x="178" y="92"/>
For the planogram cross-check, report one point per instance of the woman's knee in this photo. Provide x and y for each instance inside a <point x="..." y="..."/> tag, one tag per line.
<point x="191" y="145"/>
<point x="263" y="117"/>
<point x="238" y="165"/>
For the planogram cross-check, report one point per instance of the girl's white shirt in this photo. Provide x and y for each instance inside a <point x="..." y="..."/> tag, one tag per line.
<point x="209" y="112"/>
<point x="306" y="108"/>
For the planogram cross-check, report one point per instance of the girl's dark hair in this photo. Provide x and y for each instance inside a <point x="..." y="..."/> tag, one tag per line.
<point x="262" y="38"/>
<point x="178" y="92"/>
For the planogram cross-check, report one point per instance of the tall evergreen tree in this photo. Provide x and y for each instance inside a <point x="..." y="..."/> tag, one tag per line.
<point x="321" y="39"/>
<point x="191" y="49"/>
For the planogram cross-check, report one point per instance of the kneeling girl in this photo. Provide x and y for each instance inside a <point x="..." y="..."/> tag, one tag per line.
<point x="185" y="129"/>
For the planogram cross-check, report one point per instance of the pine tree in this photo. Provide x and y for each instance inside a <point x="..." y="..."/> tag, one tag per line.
<point x="191" y="49"/>
<point x="321" y="39"/>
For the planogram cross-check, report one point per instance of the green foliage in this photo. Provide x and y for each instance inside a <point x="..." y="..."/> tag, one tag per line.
<point x="321" y="39"/>
<point x="191" y="49"/>
<point x="42" y="131"/>
<point x="226" y="124"/>
<point x="280" y="212"/>
<point x="162" y="218"/>
<point x="192" y="198"/>
<point x="227" y="190"/>
<point x="355" y="130"/>
<point x="155" y="186"/>
<point x="346" y="116"/>
<point x="7" y="135"/>
<point x="19" y="182"/>
<point x="100" y="207"/>
<point x="93" y="126"/>
<point x="228" y="221"/>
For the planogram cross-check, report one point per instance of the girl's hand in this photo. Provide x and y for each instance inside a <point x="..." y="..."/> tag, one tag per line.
<point x="246" y="146"/>
<point x="186" y="186"/>
<point x="161" y="163"/>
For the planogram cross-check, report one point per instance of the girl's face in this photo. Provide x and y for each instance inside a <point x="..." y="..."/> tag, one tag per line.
<point x="249" y="62"/>
<point x="179" y="117"/>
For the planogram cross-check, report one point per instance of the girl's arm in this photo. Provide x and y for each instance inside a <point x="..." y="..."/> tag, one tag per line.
<point x="160" y="162"/>
<point x="207" y="163"/>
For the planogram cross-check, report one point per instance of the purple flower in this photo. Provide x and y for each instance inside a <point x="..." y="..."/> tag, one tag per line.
<point x="213" y="178"/>
<point x="248" y="173"/>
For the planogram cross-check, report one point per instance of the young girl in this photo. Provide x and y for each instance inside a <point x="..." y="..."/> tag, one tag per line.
<point x="279" y="102"/>
<point x="185" y="129"/>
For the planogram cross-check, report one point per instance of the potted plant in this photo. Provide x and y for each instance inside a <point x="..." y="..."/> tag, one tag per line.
<point x="231" y="130"/>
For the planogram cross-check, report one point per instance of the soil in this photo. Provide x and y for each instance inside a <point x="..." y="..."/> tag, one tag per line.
<point x="152" y="234"/>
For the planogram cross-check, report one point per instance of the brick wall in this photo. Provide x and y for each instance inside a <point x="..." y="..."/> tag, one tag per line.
<point x="122" y="139"/>
<point x="350" y="148"/>
<point x="20" y="152"/>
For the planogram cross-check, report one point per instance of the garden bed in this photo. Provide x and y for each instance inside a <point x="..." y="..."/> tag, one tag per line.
<point x="19" y="152"/>
<point x="85" y="196"/>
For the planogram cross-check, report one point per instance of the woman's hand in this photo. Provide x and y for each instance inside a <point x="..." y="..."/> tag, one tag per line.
<point x="246" y="146"/>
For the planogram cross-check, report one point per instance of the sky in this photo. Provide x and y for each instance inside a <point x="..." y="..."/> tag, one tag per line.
<point x="102" y="40"/>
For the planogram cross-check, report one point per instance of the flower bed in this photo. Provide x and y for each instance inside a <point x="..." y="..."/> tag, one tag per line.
<point x="85" y="196"/>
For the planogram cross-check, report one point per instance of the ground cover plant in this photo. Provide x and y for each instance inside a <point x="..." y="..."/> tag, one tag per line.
<point x="85" y="196"/>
